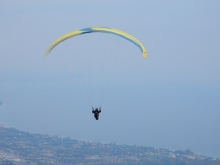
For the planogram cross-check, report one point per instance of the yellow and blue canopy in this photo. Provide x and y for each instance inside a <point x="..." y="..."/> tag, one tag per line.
<point x="98" y="29"/>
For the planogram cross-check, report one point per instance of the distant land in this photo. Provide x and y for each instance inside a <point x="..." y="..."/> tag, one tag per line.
<point x="24" y="148"/>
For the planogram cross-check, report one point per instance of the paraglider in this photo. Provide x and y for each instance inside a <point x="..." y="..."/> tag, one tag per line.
<point x="101" y="30"/>
<point x="96" y="112"/>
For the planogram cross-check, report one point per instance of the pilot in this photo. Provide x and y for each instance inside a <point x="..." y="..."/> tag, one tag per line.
<point x="96" y="112"/>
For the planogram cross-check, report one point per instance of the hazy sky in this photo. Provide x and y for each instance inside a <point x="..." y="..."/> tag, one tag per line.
<point x="170" y="100"/>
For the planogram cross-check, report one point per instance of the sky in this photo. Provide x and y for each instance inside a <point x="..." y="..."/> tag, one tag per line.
<point x="168" y="100"/>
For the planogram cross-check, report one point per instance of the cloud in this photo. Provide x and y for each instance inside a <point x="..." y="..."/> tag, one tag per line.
<point x="1" y="103"/>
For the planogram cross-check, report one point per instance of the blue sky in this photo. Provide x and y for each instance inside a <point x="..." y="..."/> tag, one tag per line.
<point x="170" y="100"/>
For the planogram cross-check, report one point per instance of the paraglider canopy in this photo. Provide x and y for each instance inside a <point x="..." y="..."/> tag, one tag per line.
<point x="98" y="29"/>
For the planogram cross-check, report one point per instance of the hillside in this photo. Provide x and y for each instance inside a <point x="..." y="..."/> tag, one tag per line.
<point x="19" y="147"/>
